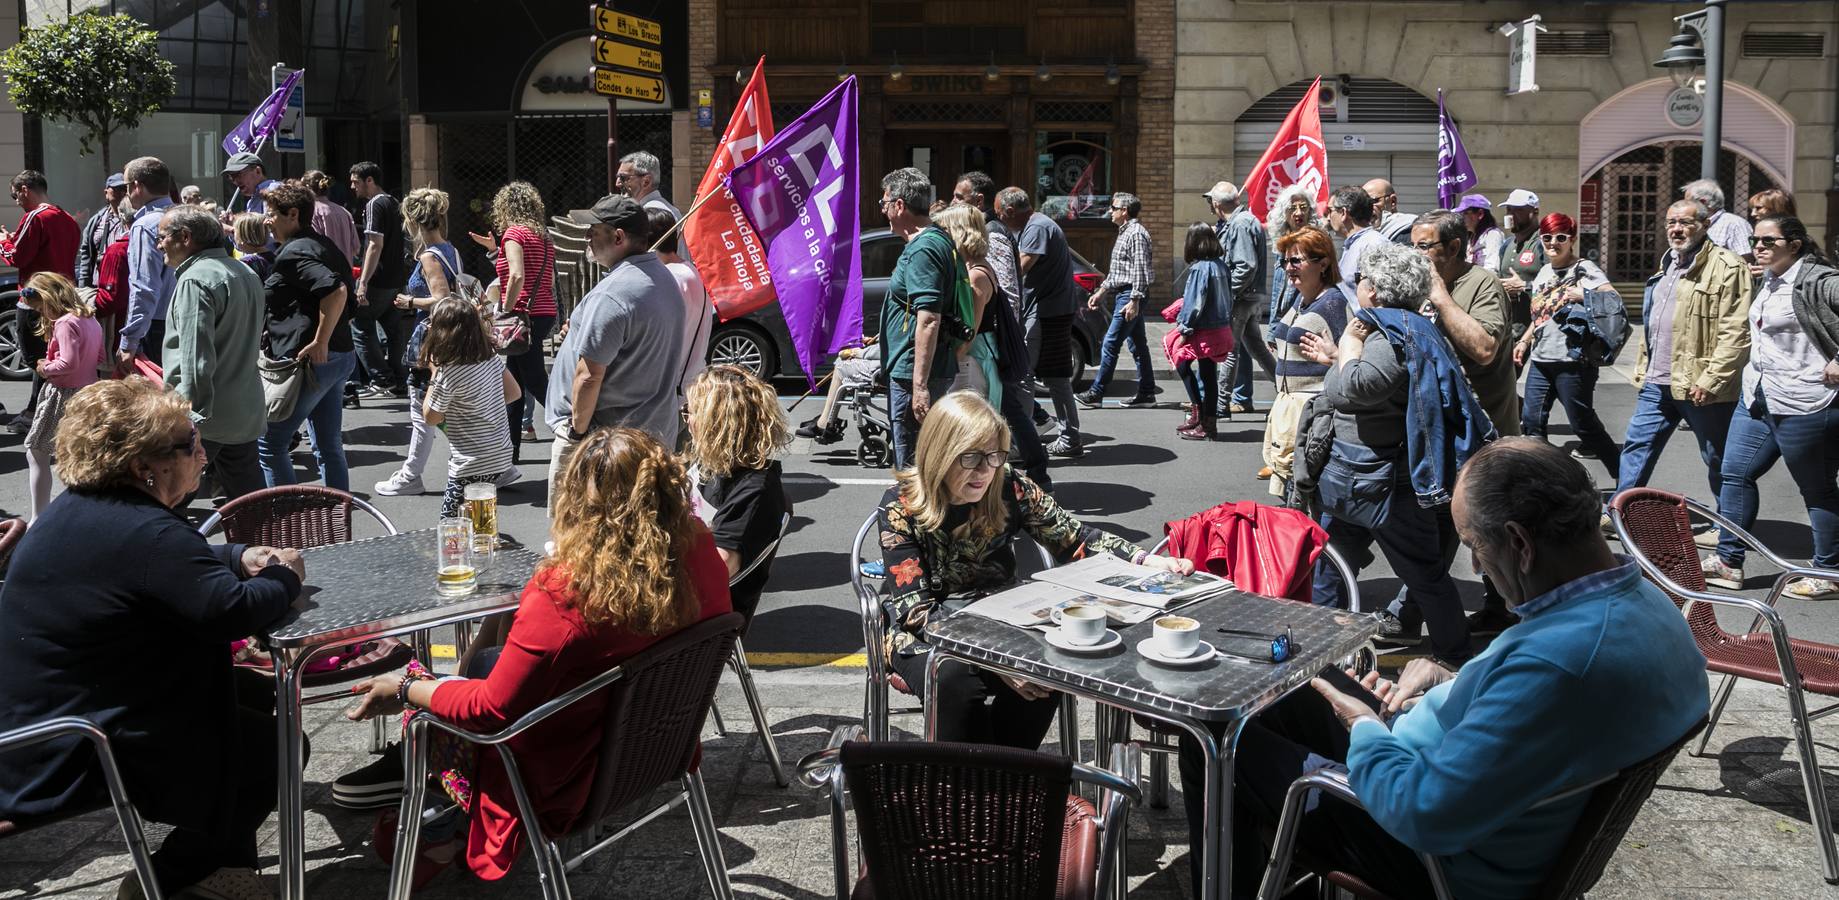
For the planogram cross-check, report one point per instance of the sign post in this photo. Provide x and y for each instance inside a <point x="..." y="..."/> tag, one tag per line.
<point x="627" y="63"/>
<point x="290" y="133"/>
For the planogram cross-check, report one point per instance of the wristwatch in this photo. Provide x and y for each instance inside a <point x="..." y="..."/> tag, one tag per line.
<point x="576" y="437"/>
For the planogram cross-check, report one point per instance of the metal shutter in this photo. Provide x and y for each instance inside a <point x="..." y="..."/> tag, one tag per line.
<point x="1404" y="154"/>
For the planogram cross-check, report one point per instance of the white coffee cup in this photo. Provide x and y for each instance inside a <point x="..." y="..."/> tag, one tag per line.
<point x="1175" y="637"/>
<point x="1081" y="624"/>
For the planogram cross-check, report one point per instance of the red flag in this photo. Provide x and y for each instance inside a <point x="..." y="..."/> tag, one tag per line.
<point x="1296" y="156"/>
<point x="728" y="253"/>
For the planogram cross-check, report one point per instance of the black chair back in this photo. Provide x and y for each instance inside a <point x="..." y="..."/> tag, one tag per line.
<point x="1612" y="808"/>
<point x="653" y="730"/>
<point x="941" y="821"/>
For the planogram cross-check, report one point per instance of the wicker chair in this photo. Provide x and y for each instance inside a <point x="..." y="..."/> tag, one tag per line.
<point x="1614" y="802"/>
<point x="880" y="678"/>
<point x="656" y="701"/>
<point x="1656" y="526"/>
<point x="738" y="662"/>
<point x="994" y="823"/>
<point x="11" y="530"/>
<point x="125" y="815"/>
<point x="303" y="516"/>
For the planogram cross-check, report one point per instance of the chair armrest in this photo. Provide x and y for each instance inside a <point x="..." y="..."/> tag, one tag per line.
<point x="815" y="769"/>
<point x="1332" y="782"/>
<point x="1114" y="806"/>
<point x="820" y="768"/>
<point x="527" y="720"/>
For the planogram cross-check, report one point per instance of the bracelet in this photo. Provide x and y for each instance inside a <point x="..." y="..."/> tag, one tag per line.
<point x="402" y="691"/>
<point x="1138" y="557"/>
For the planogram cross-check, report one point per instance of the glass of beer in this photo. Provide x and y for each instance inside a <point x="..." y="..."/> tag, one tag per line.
<point x="482" y="509"/>
<point x="454" y="557"/>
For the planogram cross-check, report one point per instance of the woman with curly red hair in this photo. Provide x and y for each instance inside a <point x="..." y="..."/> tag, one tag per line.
<point x="631" y="566"/>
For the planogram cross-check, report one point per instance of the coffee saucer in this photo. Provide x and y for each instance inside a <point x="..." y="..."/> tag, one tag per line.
<point x="1146" y="647"/>
<point x="1111" y="639"/>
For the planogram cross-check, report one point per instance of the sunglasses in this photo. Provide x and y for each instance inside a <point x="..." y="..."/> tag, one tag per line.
<point x="1291" y="262"/>
<point x="1554" y="239"/>
<point x="995" y="459"/>
<point x="1281" y="647"/>
<point x="29" y="294"/>
<point x="1359" y="277"/>
<point x="190" y="445"/>
<point x="1760" y="241"/>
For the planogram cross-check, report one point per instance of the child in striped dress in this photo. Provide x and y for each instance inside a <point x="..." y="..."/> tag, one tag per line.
<point x="467" y="393"/>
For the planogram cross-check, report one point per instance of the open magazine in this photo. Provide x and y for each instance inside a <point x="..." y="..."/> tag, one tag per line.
<point x="1104" y="575"/>
<point x="1129" y="593"/>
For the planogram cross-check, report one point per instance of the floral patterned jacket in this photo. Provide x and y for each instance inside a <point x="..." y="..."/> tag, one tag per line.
<point x="924" y="567"/>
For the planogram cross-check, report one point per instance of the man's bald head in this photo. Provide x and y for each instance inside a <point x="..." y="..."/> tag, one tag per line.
<point x="1385" y="199"/>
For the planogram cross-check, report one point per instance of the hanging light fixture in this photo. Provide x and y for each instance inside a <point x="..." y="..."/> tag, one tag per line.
<point x="895" y="72"/>
<point x="1041" y="72"/>
<point x="1112" y="75"/>
<point x="990" y="72"/>
<point x="842" y="69"/>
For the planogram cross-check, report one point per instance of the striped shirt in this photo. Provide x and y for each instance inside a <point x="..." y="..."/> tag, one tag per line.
<point x="470" y="399"/>
<point x="538" y="296"/>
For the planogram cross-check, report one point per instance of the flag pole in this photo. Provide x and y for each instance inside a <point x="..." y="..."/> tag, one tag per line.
<point x="682" y="219"/>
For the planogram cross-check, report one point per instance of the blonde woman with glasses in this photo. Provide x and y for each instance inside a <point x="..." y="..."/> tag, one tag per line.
<point x="948" y="528"/>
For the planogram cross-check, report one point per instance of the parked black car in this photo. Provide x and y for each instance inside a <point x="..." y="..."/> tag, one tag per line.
<point x="760" y="342"/>
<point x="12" y="362"/>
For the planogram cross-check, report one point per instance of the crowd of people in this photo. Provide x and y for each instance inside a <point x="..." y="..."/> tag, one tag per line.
<point x="1395" y="344"/>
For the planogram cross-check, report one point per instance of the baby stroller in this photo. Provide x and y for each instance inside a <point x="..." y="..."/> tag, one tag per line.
<point x="868" y="406"/>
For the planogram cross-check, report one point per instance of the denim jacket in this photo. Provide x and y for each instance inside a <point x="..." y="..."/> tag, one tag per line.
<point x="1205" y="300"/>
<point x="1445" y="423"/>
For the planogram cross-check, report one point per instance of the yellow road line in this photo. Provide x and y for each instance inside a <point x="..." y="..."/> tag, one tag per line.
<point x="765" y="660"/>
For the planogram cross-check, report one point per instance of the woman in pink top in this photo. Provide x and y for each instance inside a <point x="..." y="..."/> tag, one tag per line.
<point x="525" y="262"/>
<point x="331" y="219"/>
<point x="73" y="355"/>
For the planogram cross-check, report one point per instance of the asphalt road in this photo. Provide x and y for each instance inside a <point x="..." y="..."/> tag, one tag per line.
<point x="1135" y="475"/>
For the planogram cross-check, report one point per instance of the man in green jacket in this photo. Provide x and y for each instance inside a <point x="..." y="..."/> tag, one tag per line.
<point x="1697" y="339"/>
<point x="213" y="333"/>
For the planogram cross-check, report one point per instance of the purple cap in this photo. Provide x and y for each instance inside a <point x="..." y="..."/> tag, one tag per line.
<point x="1472" y="201"/>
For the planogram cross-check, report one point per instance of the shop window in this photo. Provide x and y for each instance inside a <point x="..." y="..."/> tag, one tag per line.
<point x="1073" y="174"/>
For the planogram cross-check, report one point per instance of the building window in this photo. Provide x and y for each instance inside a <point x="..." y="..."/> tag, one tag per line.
<point x="1072" y="174"/>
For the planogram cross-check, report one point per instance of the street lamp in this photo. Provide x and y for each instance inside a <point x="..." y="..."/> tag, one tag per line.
<point x="1700" y="43"/>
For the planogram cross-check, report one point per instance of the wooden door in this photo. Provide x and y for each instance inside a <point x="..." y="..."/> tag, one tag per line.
<point x="944" y="156"/>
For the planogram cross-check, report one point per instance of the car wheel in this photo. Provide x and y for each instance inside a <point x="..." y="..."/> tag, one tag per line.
<point x="12" y="359"/>
<point x="739" y="345"/>
<point x="1080" y="355"/>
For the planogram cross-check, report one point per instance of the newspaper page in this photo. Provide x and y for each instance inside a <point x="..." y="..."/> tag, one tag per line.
<point x="1104" y="575"/>
<point x="1032" y="605"/>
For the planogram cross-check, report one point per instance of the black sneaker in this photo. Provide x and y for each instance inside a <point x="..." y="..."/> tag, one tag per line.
<point x="352" y="402"/>
<point x="1064" y="448"/>
<point x="1090" y="400"/>
<point x="374" y="786"/>
<point x="1491" y="621"/>
<point x="808" y="428"/>
<point x="1394" y="631"/>
<point x="1141" y="400"/>
<point x="19" y="424"/>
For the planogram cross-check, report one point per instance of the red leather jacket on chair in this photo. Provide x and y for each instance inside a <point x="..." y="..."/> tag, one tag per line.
<point x="1265" y="550"/>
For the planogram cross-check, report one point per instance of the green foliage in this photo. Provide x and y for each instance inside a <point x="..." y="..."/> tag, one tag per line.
<point x="100" y="73"/>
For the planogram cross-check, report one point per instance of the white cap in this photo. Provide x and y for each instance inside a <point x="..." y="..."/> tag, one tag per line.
<point x="1522" y="197"/>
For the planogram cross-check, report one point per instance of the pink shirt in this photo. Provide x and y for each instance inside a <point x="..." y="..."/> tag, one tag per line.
<point x="75" y="351"/>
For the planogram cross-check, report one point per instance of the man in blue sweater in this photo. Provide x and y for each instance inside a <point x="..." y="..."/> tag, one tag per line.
<point x="1600" y="673"/>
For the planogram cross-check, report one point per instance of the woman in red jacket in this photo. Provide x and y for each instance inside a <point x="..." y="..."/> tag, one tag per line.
<point x="631" y="566"/>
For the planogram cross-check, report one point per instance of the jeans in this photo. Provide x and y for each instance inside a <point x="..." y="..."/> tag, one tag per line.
<point x="900" y="416"/>
<point x="1248" y="345"/>
<point x="1574" y="385"/>
<point x="1030" y="453"/>
<point x="1418" y="544"/>
<point x="975" y="706"/>
<point x="1294" y="736"/>
<point x="1121" y="330"/>
<point x="1656" y="415"/>
<point x="1201" y="391"/>
<point x="381" y="340"/>
<point x="1809" y="444"/>
<point x="527" y="369"/>
<point x="323" y="411"/>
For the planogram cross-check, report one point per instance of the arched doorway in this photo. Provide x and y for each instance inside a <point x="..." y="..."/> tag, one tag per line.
<point x="1378" y="129"/>
<point x="1635" y="190"/>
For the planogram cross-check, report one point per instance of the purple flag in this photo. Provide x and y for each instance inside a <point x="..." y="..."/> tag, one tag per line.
<point x="1455" y="176"/>
<point x="802" y="194"/>
<point x="259" y="125"/>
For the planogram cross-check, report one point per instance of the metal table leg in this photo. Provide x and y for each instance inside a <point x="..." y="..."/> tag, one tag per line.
<point x="291" y="806"/>
<point x="1216" y="848"/>
<point x="932" y="693"/>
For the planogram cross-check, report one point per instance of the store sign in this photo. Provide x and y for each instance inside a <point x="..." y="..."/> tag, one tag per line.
<point x="1522" y="55"/>
<point x="290" y="133"/>
<point x="942" y="84"/>
<point x="1590" y="207"/>
<point x="1685" y="108"/>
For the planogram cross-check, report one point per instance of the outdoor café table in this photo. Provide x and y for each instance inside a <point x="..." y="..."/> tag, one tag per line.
<point x="1222" y="692"/>
<point x="361" y="591"/>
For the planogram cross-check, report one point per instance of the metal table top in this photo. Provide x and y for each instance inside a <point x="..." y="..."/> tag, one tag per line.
<point x="1214" y="691"/>
<point x="387" y="585"/>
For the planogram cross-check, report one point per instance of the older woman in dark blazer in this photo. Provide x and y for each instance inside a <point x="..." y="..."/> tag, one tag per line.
<point x="116" y="609"/>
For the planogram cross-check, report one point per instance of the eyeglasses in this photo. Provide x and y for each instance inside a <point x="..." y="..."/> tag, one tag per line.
<point x="190" y="445"/>
<point x="1359" y="277"/>
<point x="1683" y="223"/>
<point x="1120" y="209"/>
<point x="1428" y="245"/>
<point x="995" y="459"/>
<point x="1554" y="239"/>
<point x="1291" y="262"/>
<point x="1337" y="209"/>
<point x="1281" y="646"/>
<point x="622" y="177"/>
<point x="1759" y="241"/>
<point x="887" y="200"/>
